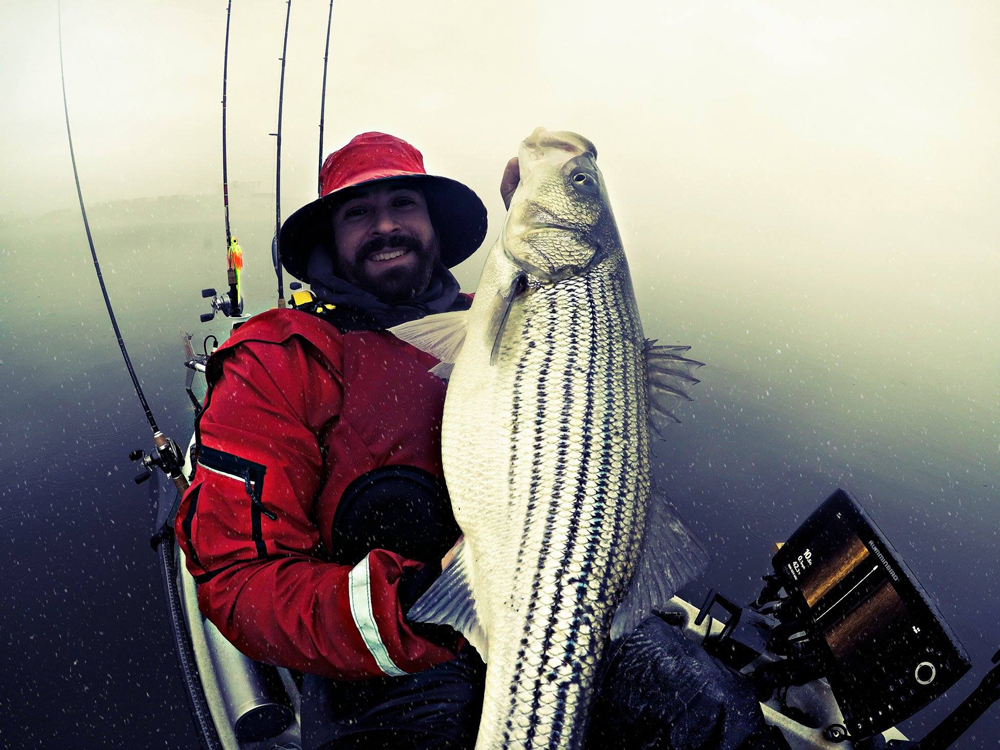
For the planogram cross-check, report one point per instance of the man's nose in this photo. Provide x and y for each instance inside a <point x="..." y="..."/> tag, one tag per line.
<point x="385" y="221"/>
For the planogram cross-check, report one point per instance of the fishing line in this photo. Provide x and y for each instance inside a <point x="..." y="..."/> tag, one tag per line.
<point x="168" y="456"/>
<point x="90" y="240"/>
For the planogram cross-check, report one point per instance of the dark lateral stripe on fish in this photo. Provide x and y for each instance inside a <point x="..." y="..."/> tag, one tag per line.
<point x="633" y="398"/>
<point x="559" y="487"/>
<point x="595" y="521"/>
<point x="515" y="414"/>
<point x="629" y="398"/>
<point x="554" y="506"/>
<point x="619" y="323"/>
<point x="511" y="471"/>
<point x="618" y="483"/>
<point x="613" y="483"/>
<point x="532" y="500"/>
<point x="595" y="524"/>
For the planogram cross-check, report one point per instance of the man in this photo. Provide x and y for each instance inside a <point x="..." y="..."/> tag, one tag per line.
<point x="318" y="512"/>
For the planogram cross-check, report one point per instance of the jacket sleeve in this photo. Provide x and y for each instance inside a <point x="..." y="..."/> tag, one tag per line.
<point x="247" y="528"/>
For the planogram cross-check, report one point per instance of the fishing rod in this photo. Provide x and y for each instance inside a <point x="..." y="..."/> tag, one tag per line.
<point x="168" y="457"/>
<point x="277" y="180"/>
<point x="322" y="103"/>
<point x="232" y="304"/>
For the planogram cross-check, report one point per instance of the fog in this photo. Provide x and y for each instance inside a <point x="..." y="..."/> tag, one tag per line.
<point x="807" y="194"/>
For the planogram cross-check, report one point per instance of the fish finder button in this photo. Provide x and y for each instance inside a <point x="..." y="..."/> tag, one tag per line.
<point x="925" y="673"/>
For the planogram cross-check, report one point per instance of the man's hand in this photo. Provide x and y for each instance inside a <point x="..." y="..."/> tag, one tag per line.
<point x="508" y="184"/>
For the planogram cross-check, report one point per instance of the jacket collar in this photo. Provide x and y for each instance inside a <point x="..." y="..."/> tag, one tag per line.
<point x="440" y="295"/>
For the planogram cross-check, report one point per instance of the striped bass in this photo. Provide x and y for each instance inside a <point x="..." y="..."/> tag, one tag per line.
<point x="552" y="397"/>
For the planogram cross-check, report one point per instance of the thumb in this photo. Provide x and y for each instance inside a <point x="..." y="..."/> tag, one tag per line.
<point x="511" y="177"/>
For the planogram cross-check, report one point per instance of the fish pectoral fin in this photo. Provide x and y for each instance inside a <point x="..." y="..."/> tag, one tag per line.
<point x="440" y="335"/>
<point x="443" y="370"/>
<point x="670" y="557"/>
<point x="668" y="376"/>
<point x="501" y="311"/>
<point x="449" y="601"/>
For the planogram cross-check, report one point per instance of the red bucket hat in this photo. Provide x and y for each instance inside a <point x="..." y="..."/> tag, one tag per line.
<point x="457" y="213"/>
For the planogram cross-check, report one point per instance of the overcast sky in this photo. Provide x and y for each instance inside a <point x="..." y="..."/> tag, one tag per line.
<point x="727" y="107"/>
<point x="820" y="172"/>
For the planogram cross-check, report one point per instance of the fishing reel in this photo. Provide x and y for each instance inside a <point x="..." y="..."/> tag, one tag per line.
<point x="168" y="458"/>
<point x="842" y="642"/>
<point x="220" y="303"/>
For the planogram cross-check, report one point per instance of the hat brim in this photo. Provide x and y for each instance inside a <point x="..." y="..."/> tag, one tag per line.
<point x="457" y="213"/>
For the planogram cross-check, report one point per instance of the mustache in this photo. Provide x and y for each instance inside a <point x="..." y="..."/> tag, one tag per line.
<point x="378" y="244"/>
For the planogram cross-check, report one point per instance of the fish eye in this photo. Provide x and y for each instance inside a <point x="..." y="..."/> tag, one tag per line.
<point x="585" y="180"/>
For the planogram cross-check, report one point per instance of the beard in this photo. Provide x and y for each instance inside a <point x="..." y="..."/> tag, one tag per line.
<point x="397" y="283"/>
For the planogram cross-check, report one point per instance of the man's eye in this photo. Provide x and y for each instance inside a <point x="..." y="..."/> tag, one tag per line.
<point x="403" y="202"/>
<point x="354" y="213"/>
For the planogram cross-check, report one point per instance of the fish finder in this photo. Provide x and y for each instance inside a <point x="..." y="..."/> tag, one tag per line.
<point x="842" y="643"/>
<point x="862" y="618"/>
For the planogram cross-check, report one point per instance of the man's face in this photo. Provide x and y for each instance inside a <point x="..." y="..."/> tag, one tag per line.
<point x="386" y="244"/>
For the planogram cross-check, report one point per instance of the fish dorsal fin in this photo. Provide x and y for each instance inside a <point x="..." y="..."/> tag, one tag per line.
<point x="449" y="601"/>
<point x="440" y="335"/>
<point x="668" y="376"/>
<point x="670" y="557"/>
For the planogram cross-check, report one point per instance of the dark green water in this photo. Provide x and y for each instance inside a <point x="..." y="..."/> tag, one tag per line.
<point x="86" y="652"/>
<point x="814" y="381"/>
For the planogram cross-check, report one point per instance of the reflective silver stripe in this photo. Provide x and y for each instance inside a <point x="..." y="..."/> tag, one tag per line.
<point x="359" y="586"/>
<point x="212" y="469"/>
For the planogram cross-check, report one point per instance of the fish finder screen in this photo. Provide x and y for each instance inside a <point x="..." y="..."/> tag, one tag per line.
<point x="887" y="649"/>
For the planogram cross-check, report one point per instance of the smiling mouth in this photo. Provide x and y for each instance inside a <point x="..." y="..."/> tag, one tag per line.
<point x="384" y="255"/>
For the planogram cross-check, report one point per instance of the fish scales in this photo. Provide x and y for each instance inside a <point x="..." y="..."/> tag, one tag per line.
<point x="546" y="452"/>
<point x="569" y="497"/>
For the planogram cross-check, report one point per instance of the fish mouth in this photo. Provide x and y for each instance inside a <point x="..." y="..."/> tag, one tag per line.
<point x="524" y="228"/>
<point x="563" y="140"/>
<point x="543" y="275"/>
<point x="549" y="227"/>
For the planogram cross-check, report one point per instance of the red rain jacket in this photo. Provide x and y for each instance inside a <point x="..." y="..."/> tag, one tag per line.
<point x="298" y="416"/>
